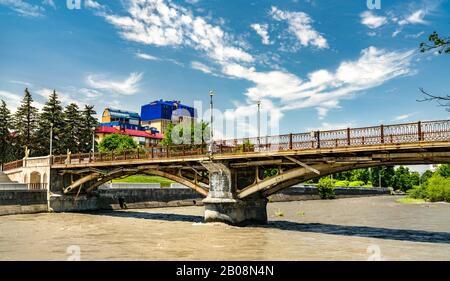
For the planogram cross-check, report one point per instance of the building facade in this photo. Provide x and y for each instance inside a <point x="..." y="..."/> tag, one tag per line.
<point x="159" y="114"/>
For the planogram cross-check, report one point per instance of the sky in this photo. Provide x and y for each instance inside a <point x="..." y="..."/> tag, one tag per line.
<point x="313" y="64"/>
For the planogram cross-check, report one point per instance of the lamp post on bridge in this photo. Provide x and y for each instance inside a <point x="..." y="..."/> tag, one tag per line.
<point x="211" y="134"/>
<point x="259" y="124"/>
<point x="51" y="138"/>
<point x="93" y="141"/>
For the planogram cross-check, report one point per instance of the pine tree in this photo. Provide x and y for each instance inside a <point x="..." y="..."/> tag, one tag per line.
<point x="88" y="122"/>
<point x="52" y="113"/>
<point x="25" y="123"/>
<point x="73" y="128"/>
<point x="5" y="133"/>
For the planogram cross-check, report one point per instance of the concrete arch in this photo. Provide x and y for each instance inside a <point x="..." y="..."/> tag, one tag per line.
<point x="294" y="176"/>
<point x="35" y="180"/>
<point x="103" y="178"/>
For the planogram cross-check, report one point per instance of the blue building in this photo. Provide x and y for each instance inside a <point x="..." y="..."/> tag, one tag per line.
<point x="159" y="114"/>
<point x="121" y="119"/>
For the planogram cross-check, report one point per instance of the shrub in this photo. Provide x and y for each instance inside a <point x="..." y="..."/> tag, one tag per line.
<point x="438" y="188"/>
<point x="326" y="188"/>
<point x="417" y="192"/>
<point x="341" y="183"/>
<point x="356" y="184"/>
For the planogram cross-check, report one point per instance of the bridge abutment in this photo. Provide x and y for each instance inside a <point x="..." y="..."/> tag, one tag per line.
<point x="222" y="205"/>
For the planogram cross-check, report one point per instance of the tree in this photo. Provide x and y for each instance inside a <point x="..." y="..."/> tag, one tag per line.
<point x="117" y="143"/>
<point x="5" y="133"/>
<point x="25" y="123"/>
<point x="425" y="176"/>
<point x="444" y="170"/>
<point x="199" y="133"/>
<point x="436" y="42"/>
<point x="442" y="45"/>
<point x="51" y="115"/>
<point x="361" y="175"/>
<point x="88" y="122"/>
<point x="402" y="179"/>
<point x="385" y="173"/>
<point x="73" y="128"/>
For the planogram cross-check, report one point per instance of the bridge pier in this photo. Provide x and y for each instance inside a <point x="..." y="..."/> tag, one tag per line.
<point x="221" y="204"/>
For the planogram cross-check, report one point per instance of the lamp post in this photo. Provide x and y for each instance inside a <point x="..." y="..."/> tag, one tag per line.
<point x="211" y="135"/>
<point x="51" y="138"/>
<point x="259" y="124"/>
<point x="93" y="141"/>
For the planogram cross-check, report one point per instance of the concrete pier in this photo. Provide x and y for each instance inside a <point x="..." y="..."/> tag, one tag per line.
<point x="221" y="204"/>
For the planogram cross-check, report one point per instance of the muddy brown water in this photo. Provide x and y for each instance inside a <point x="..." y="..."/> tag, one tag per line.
<point x="370" y="228"/>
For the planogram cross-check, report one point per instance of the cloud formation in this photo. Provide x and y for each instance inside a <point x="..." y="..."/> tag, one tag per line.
<point x="128" y="86"/>
<point x="262" y="31"/>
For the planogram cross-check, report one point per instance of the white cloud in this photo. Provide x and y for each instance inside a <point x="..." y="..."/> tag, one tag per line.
<point x="156" y="22"/>
<point x="50" y="3"/>
<point x="128" y="86"/>
<point x="13" y="101"/>
<point x="403" y="117"/>
<point x="323" y="89"/>
<point x="415" y="36"/>
<point x="146" y="56"/>
<point x="262" y="30"/>
<point x="416" y="17"/>
<point x="372" y="21"/>
<point x="23" y="8"/>
<point x="202" y="67"/>
<point x="65" y="98"/>
<point x="300" y="24"/>
<point x="325" y="126"/>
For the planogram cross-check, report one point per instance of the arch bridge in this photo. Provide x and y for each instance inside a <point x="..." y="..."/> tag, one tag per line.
<point x="240" y="174"/>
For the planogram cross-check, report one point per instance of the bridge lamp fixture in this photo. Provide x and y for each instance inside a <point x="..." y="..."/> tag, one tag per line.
<point x="259" y="123"/>
<point x="211" y="135"/>
<point x="51" y="138"/>
<point x="93" y="140"/>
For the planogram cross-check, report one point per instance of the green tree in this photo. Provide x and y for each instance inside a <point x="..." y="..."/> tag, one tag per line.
<point x="402" y="179"/>
<point x="385" y="173"/>
<point x="73" y="128"/>
<point x="361" y="175"/>
<point x="444" y="170"/>
<point x="326" y="188"/>
<point x="425" y="176"/>
<point x="51" y="115"/>
<point x="117" y="143"/>
<point x="5" y="133"/>
<point x="436" y="42"/>
<point x="88" y="121"/>
<point x="199" y="133"/>
<point x="25" y="124"/>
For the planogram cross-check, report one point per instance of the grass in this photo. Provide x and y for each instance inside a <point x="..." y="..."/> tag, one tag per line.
<point x="145" y="179"/>
<point x="409" y="200"/>
<point x="279" y="213"/>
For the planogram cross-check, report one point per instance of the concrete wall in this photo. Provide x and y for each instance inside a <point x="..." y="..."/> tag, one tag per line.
<point x="300" y="192"/>
<point x="108" y="199"/>
<point x="22" y="201"/>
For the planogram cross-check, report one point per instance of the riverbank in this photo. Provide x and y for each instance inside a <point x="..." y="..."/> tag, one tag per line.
<point x="343" y="229"/>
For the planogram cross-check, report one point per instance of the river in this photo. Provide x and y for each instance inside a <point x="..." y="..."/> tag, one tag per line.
<point x="370" y="228"/>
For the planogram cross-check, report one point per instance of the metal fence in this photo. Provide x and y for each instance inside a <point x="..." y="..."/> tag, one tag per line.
<point x="418" y="132"/>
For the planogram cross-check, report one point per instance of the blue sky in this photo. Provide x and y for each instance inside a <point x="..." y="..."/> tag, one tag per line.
<point x="313" y="63"/>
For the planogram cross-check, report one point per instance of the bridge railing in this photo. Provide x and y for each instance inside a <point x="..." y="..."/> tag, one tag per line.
<point x="429" y="131"/>
<point x="12" y="165"/>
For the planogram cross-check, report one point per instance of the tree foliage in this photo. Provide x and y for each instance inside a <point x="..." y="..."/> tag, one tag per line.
<point x="26" y="125"/>
<point x="116" y="143"/>
<point x="5" y="133"/>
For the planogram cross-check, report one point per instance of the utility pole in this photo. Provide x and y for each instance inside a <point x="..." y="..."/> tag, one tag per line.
<point x="211" y="135"/>
<point x="259" y="124"/>
<point x="51" y="139"/>
<point x="93" y="141"/>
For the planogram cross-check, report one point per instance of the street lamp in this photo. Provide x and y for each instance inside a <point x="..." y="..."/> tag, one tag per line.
<point x="211" y="135"/>
<point x="259" y="124"/>
<point x="93" y="141"/>
<point x="51" y="138"/>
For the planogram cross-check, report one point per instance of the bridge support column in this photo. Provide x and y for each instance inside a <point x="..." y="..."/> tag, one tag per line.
<point x="221" y="204"/>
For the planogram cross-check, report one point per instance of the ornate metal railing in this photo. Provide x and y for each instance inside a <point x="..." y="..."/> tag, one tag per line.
<point x="418" y="132"/>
